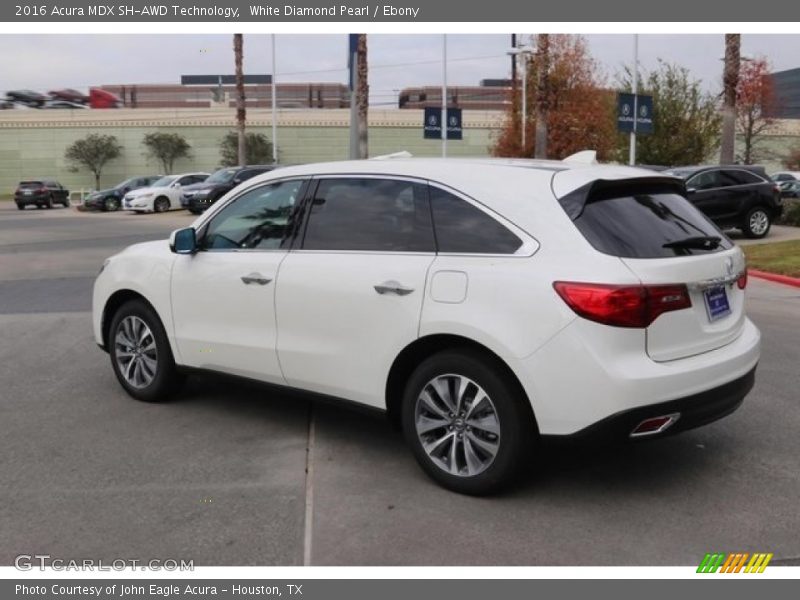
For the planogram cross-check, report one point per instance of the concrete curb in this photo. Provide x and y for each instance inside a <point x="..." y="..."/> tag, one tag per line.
<point x="784" y="279"/>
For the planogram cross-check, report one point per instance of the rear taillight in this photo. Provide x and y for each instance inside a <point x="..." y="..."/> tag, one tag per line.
<point x="622" y="305"/>
<point x="742" y="281"/>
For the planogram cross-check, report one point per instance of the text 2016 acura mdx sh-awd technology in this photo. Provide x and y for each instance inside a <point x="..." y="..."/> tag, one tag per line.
<point x="484" y="304"/>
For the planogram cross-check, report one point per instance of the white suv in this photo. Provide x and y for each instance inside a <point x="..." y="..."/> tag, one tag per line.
<point x="483" y="304"/>
<point x="163" y="195"/>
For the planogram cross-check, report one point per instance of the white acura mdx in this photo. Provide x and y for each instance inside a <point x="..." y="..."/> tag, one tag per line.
<point x="483" y="304"/>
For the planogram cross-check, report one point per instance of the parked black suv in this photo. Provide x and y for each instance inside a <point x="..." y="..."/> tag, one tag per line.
<point x="733" y="196"/>
<point x="111" y="199"/>
<point x="41" y="193"/>
<point x="199" y="196"/>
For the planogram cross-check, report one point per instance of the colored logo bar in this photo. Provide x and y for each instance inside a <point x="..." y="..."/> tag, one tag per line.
<point x="734" y="562"/>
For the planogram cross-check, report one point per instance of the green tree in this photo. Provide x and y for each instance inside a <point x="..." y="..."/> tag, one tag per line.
<point x="93" y="152"/>
<point x="686" y="121"/>
<point x="258" y="149"/>
<point x="166" y="148"/>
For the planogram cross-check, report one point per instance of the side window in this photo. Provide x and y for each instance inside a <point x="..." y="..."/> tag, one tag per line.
<point x="463" y="228"/>
<point x="199" y="178"/>
<point x="259" y="219"/>
<point x="381" y="215"/>
<point x="704" y="181"/>
<point x="743" y="177"/>
<point x="245" y="175"/>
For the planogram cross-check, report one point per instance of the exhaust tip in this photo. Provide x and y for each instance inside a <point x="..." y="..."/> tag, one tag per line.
<point x="654" y="425"/>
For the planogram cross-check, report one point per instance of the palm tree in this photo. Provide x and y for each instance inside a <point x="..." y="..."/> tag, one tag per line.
<point x="241" y="114"/>
<point x="542" y="93"/>
<point x="730" y="80"/>
<point x="362" y="94"/>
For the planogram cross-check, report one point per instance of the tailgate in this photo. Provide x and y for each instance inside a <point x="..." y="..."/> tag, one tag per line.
<point x="716" y="316"/>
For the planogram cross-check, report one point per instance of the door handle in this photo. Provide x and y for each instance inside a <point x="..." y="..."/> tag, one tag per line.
<point x="392" y="287"/>
<point x="255" y="278"/>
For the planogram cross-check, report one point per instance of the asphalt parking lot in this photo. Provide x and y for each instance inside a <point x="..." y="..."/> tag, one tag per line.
<point x="235" y="474"/>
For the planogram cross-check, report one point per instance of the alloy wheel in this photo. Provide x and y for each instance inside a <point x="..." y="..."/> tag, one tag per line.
<point x="135" y="352"/>
<point x="457" y="425"/>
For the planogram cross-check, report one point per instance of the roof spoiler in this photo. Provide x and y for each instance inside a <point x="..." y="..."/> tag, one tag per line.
<point x="401" y="154"/>
<point x="584" y="157"/>
<point x="574" y="202"/>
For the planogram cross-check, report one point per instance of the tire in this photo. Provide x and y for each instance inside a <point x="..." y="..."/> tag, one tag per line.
<point x="155" y="378"/>
<point x="111" y="204"/>
<point x="161" y="205"/>
<point x="757" y="223"/>
<point x="49" y="203"/>
<point x="65" y="203"/>
<point x="20" y="206"/>
<point x="40" y="206"/>
<point x="492" y="447"/>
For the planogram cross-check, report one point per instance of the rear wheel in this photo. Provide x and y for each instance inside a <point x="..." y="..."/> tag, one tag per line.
<point x="469" y="426"/>
<point x="111" y="204"/>
<point x="20" y="206"/>
<point x="49" y="203"/>
<point x="757" y="223"/>
<point x="65" y="203"/>
<point x="161" y="204"/>
<point x="140" y="353"/>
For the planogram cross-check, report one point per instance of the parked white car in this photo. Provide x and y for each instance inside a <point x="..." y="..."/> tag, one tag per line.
<point x="163" y="195"/>
<point x="483" y="304"/>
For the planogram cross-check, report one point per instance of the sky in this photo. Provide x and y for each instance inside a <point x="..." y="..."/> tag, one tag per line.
<point x="45" y="62"/>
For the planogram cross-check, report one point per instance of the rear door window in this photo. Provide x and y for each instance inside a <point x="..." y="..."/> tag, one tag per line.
<point x="742" y="177"/>
<point x="373" y="215"/>
<point x="646" y="226"/>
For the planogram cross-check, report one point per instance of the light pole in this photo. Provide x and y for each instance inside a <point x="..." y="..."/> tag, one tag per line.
<point x="523" y="52"/>
<point x="274" y="107"/>
<point x="632" y="155"/>
<point x="444" y="96"/>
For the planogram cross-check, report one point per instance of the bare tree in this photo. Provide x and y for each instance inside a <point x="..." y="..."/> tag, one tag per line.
<point x="362" y="94"/>
<point x="240" y="106"/>
<point x="730" y="80"/>
<point x="542" y="93"/>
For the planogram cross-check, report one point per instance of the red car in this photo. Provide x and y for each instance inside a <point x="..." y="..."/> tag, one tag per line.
<point x="69" y="95"/>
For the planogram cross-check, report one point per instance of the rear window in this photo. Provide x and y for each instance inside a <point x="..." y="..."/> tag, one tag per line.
<point x="646" y="226"/>
<point x="30" y="184"/>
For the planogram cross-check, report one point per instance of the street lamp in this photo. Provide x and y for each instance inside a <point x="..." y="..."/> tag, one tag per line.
<point x="523" y="52"/>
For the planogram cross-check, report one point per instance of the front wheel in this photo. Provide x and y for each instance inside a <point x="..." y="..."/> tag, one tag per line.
<point x="21" y="206"/>
<point x="757" y="223"/>
<point x="111" y="204"/>
<point x="161" y="205"/>
<point x="467" y="422"/>
<point x="49" y="202"/>
<point x="140" y="353"/>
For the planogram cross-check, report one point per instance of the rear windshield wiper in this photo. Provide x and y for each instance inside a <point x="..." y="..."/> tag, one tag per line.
<point x="701" y="242"/>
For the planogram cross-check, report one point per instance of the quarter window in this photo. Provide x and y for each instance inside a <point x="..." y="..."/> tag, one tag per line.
<point x="258" y="219"/>
<point x="379" y="215"/>
<point x="463" y="228"/>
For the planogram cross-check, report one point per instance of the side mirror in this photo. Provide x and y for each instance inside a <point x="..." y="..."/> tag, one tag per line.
<point x="183" y="241"/>
<point x="237" y="180"/>
<point x="176" y="185"/>
<point x="691" y="190"/>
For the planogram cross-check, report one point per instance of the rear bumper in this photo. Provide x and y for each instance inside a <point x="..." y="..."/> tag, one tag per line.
<point x="589" y="373"/>
<point x="34" y="199"/>
<point x="695" y="410"/>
